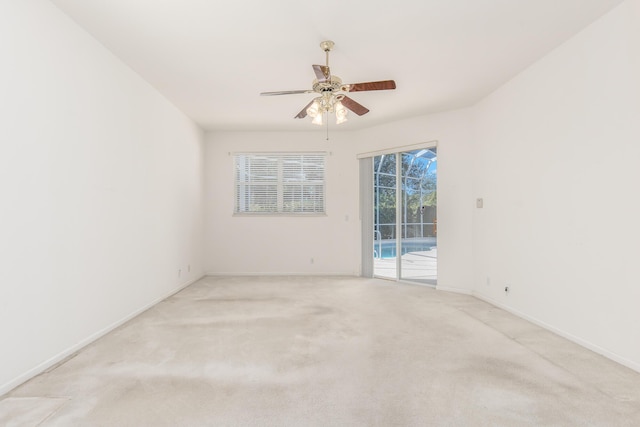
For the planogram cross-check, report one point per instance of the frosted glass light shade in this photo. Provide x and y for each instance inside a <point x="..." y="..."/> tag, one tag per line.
<point x="314" y="110"/>
<point x="341" y="113"/>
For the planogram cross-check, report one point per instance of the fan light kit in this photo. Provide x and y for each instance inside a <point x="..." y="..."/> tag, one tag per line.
<point x="329" y="87"/>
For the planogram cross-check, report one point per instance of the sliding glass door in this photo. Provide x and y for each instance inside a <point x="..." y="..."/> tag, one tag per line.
<point x="405" y="216"/>
<point x="384" y="214"/>
<point x="418" y="217"/>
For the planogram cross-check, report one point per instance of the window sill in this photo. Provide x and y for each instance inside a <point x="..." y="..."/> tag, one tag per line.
<point x="278" y="214"/>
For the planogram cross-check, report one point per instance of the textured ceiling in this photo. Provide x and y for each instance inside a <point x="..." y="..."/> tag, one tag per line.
<point x="213" y="58"/>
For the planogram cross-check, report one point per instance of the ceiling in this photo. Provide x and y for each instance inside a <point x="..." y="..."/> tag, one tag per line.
<point x="213" y="58"/>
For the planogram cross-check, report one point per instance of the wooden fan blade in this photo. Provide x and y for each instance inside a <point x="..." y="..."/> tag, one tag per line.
<point x="302" y="114"/>
<point x="322" y="73"/>
<point x="354" y="106"/>
<point x="285" y="92"/>
<point x="360" y="87"/>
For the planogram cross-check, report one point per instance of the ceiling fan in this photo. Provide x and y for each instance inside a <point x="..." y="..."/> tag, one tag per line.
<point x="330" y="88"/>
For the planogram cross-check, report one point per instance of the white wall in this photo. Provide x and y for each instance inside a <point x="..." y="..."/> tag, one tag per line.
<point x="101" y="191"/>
<point x="282" y="245"/>
<point x="452" y="131"/>
<point x="285" y="245"/>
<point x="557" y="162"/>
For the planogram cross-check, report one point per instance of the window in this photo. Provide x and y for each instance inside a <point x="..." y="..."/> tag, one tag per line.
<point x="279" y="183"/>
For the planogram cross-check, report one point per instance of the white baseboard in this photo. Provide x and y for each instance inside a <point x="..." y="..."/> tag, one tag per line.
<point x="275" y="274"/>
<point x="42" y="367"/>
<point x="584" y="343"/>
<point x="454" y="290"/>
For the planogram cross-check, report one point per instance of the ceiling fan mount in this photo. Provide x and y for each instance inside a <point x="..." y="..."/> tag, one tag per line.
<point x="327" y="45"/>
<point x="329" y="86"/>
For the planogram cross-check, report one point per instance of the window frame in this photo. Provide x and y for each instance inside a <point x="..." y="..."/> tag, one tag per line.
<point x="280" y="182"/>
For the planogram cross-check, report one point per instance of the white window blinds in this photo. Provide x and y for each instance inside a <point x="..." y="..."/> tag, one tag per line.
<point x="280" y="183"/>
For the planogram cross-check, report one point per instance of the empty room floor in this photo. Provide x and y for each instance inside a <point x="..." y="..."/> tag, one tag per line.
<point x="320" y="351"/>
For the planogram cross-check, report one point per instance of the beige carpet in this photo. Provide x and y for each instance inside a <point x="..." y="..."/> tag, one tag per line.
<point x="294" y="351"/>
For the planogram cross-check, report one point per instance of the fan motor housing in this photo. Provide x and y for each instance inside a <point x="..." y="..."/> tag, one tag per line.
<point x="333" y="85"/>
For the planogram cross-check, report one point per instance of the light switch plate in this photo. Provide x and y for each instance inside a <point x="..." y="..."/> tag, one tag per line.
<point x="479" y="202"/>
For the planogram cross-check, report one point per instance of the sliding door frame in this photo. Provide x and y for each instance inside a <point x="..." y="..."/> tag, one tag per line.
<point x="366" y="206"/>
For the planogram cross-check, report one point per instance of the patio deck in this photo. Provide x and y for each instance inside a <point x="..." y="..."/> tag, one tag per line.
<point x="419" y="266"/>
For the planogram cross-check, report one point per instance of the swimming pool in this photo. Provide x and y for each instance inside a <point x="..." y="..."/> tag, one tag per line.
<point x="388" y="247"/>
